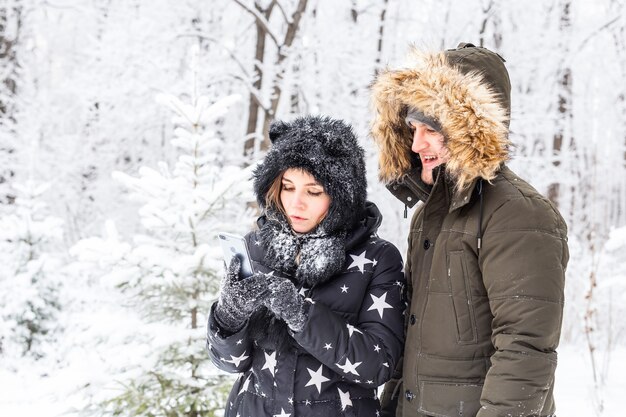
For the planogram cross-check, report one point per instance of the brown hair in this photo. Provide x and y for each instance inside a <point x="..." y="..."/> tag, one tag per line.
<point x="272" y="197"/>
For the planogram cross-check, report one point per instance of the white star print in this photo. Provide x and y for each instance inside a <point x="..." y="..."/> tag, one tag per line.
<point x="317" y="378"/>
<point x="245" y="385"/>
<point x="369" y="381"/>
<point x="386" y="364"/>
<point x="328" y="346"/>
<point x="303" y="291"/>
<point x="236" y="360"/>
<point x="290" y="400"/>
<point x="307" y="402"/>
<point x="282" y="413"/>
<point x="270" y="362"/>
<point x="345" y="399"/>
<point x="376" y="348"/>
<point x="344" y="288"/>
<point x="240" y="341"/>
<point x="379" y="304"/>
<point x="360" y="262"/>
<point x="349" y="367"/>
<point x="375" y="262"/>
<point x="353" y="329"/>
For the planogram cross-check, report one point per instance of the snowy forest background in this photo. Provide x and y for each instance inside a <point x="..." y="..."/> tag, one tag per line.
<point x="127" y="133"/>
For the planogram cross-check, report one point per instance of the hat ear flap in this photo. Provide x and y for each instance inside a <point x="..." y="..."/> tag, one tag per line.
<point x="277" y="129"/>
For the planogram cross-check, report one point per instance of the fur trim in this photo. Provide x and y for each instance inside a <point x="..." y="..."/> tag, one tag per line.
<point x="473" y="120"/>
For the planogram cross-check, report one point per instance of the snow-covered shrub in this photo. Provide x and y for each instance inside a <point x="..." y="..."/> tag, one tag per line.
<point x="169" y="274"/>
<point x="29" y="275"/>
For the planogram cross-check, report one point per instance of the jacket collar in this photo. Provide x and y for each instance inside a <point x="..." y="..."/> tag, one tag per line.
<point x="410" y="188"/>
<point x="461" y="198"/>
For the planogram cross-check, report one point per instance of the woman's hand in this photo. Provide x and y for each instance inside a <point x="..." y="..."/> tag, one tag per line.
<point x="239" y="298"/>
<point x="285" y="302"/>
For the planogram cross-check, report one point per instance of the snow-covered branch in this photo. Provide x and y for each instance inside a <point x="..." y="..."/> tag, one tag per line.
<point x="219" y="43"/>
<point x="261" y="20"/>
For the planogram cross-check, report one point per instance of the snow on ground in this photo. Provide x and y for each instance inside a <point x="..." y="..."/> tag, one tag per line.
<point x="574" y="391"/>
<point x="36" y="392"/>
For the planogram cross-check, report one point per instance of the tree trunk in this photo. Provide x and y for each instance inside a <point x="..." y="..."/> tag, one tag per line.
<point x="564" y="101"/>
<point x="619" y="190"/>
<point x="619" y="38"/>
<point x="381" y="34"/>
<point x="294" y="97"/>
<point x="354" y="13"/>
<point x="485" y="22"/>
<point x="290" y="36"/>
<point x="259" y="55"/>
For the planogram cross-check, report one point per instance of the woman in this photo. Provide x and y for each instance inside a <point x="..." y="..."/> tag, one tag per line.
<point x="319" y="325"/>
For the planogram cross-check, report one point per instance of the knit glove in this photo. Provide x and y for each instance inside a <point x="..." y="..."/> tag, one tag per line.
<point x="239" y="298"/>
<point x="285" y="302"/>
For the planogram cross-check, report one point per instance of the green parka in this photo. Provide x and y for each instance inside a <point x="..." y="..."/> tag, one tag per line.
<point x="487" y="253"/>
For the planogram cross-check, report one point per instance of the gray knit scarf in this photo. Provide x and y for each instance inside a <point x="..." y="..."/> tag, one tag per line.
<point x="310" y="258"/>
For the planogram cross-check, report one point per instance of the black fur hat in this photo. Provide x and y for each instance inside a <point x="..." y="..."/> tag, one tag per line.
<point x="327" y="149"/>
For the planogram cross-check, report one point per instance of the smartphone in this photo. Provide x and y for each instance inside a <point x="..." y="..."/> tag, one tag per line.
<point x="235" y="245"/>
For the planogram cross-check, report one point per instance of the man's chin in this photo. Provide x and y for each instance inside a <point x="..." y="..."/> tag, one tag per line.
<point x="427" y="178"/>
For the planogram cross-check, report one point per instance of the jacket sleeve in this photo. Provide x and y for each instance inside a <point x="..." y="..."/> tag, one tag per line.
<point x="365" y="352"/>
<point x="230" y="352"/>
<point x="523" y="263"/>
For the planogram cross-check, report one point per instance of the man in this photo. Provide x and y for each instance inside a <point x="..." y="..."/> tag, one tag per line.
<point x="487" y="253"/>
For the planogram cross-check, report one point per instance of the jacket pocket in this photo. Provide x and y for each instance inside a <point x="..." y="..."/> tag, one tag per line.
<point x="460" y="290"/>
<point x="445" y="399"/>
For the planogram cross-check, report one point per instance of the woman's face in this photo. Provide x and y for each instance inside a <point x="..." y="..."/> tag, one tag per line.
<point x="304" y="200"/>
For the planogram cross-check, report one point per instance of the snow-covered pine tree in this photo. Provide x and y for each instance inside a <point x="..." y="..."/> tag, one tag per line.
<point x="10" y="68"/>
<point x="171" y="272"/>
<point x="29" y="275"/>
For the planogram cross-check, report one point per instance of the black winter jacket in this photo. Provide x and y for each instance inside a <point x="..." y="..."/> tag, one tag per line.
<point x="349" y="346"/>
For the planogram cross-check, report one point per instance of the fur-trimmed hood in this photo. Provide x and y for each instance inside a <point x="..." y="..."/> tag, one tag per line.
<point x="467" y="90"/>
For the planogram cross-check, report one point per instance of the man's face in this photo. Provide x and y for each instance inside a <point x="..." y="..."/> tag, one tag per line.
<point x="428" y="144"/>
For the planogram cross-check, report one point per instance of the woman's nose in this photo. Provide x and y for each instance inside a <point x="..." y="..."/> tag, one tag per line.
<point x="297" y="201"/>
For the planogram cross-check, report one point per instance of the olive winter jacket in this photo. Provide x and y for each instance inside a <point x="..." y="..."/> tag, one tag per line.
<point x="487" y="253"/>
